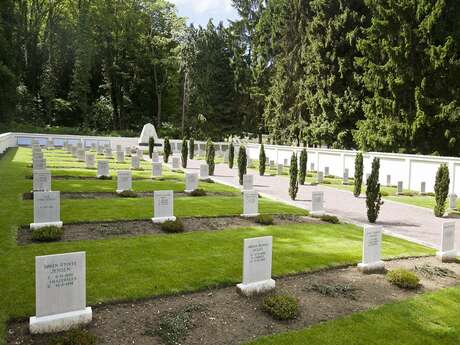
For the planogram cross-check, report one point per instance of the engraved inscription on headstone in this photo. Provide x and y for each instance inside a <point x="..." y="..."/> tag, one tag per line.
<point x="250" y="203"/>
<point x="191" y="182"/>
<point x="103" y="168"/>
<point x="157" y="169"/>
<point x="163" y="206"/>
<point x="42" y="180"/>
<point x="46" y="210"/>
<point x="317" y="203"/>
<point x="124" y="181"/>
<point x="372" y="242"/>
<point x="248" y="182"/>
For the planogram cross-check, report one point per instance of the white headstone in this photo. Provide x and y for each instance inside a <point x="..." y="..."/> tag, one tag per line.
<point x="39" y="164"/>
<point x="42" y="180"/>
<point x="175" y="163"/>
<point x="250" y="203"/>
<point x="248" y="182"/>
<point x="60" y="293"/>
<point x="103" y="168"/>
<point x="286" y="162"/>
<point x="272" y="164"/>
<point x="124" y="181"/>
<point x="157" y="169"/>
<point x="100" y="149"/>
<point x="148" y="131"/>
<point x="90" y="160"/>
<point x="257" y="266"/>
<point x="108" y="153"/>
<point x="155" y="157"/>
<point x="163" y="208"/>
<point x="135" y="164"/>
<point x="191" y="182"/>
<point x="452" y="201"/>
<point x="47" y="211"/>
<point x="127" y="151"/>
<point x="448" y="252"/>
<point x="204" y="171"/>
<point x="118" y="148"/>
<point x="372" y="243"/>
<point x="140" y="155"/>
<point x="319" y="176"/>
<point x="93" y="147"/>
<point x="388" y="180"/>
<point x="400" y="187"/>
<point x="120" y="157"/>
<point x="423" y="187"/>
<point x="226" y="157"/>
<point x="317" y="203"/>
<point x="81" y="155"/>
<point x="326" y="171"/>
<point x="346" y="173"/>
<point x="280" y="169"/>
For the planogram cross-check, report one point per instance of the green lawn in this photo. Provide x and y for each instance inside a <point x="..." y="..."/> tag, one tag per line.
<point x="429" y="319"/>
<point x="139" y="267"/>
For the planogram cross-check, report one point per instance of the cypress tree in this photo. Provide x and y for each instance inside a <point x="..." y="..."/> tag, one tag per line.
<point x="262" y="160"/>
<point x="231" y="155"/>
<point x="303" y="166"/>
<point x="293" y="172"/>
<point x="373" y="195"/>
<point x="151" y="146"/>
<point x="210" y="155"/>
<point x="441" y="190"/>
<point x="358" y="174"/>
<point x="191" y="148"/>
<point x="242" y="163"/>
<point x="166" y="149"/>
<point x="184" y="153"/>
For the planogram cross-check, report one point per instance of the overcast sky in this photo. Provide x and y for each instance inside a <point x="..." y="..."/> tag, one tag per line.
<point x="199" y="12"/>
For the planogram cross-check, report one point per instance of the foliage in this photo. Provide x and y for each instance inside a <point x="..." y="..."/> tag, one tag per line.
<point x="151" y="146"/>
<point x="231" y="155"/>
<point x="172" y="226"/>
<point x="198" y="192"/>
<point x="166" y="149"/>
<point x="303" y="160"/>
<point x="373" y="196"/>
<point x="191" y="148"/>
<point x="358" y="174"/>
<point x="329" y="219"/>
<point x="47" y="234"/>
<point x="242" y="163"/>
<point x="210" y="156"/>
<point x="262" y="160"/>
<point x="334" y="290"/>
<point x="127" y="194"/>
<point x="184" y="151"/>
<point x="441" y="190"/>
<point x="403" y="278"/>
<point x="75" y="337"/>
<point x="281" y="307"/>
<point x="293" y="172"/>
<point x="264" y="219"/>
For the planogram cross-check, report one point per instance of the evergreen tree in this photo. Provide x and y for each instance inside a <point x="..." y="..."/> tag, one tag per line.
<point x="231" y="155"/>
<point x="192" y="148"/>
<point x="262" y="160"/>
<point x="210" y="155"/>
<point x="373" y="196"/>
<point x="293" y="172"/>
<point x="151" y="146"/>
<point x="441" y="190"/>
<point x="242" y="163"/>
<point x="184" y="152"/>
<point x="303" y="160"/>
<point x="358" y="174"/>
<point x="166" y="149"/>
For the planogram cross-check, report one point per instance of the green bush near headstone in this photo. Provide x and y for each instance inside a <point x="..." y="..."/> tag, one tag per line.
<point x="441" y="190"/>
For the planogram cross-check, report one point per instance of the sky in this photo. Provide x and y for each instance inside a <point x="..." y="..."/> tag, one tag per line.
<point x="199" y="12"/>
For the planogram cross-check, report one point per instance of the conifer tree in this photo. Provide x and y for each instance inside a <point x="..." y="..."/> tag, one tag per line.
<point x="358" y="174"/>
<point x="231" y="155"/>
<point x="373" y="195"/>
<point x="192" y="148"/>
<point x="184" y="152"/>
<point x="210" y="155"/>
<point x="441" y="190"/>
<point x="303" y="159"/>
<point x="166" y="149"/>
<point x="293" y="172"/>
<point x="262" y="160"/>
<point x="242" y="163"/>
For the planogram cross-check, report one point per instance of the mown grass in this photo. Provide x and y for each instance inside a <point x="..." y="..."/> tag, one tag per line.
<point x="139" y="267"/>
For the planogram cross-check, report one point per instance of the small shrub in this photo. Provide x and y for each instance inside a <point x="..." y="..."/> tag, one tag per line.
<point x="166" y="150"/>
<point x="151" y="146"/>
<point x="334" y="290"/>
<point x="262" y="160"/>
<point x="303" y="159"/>
<point x="172" y="226"/>
<point x="127" y="194"/>
<point x="330" y="219"/>
<point x="408" y="193"/>
<point x="403" y="278"/>
<point x="358" y="174"/>
<point x="191" y="149"/>
<point x="264" y="219"/>
<point x="104" y="177"/>
<point x="329" y="176"/>
<point x="210" y="156"/>
<point x="47" y="234"/>
<point x="207" y="180"/>
<point x="198" y="192"/>
<point x="384" y="193"/>
<point x="74" y="337"/>
<point x="231" y="155"/>
<point x="242" y="164"/>
<point x="293" y="172"/>
<point x="326" y="182"/>
<point x="281" y="307"/>
<point x="441" y="190"/>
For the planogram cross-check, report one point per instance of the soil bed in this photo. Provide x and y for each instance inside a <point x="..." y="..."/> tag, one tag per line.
<point x="221" y="316"/>
<point x="105" y="230"/>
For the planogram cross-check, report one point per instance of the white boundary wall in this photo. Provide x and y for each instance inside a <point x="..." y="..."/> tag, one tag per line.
<point x="411" y="169"/>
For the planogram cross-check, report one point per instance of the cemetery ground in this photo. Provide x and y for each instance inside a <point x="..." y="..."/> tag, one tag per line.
<point x="195" y="272"/>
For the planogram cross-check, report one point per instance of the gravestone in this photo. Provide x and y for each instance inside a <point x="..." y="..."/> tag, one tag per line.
<point x="248" y="182"/>
<point x="345" y="176"/>
<point x="147" y="131"/>
<point x="39" y="164"/>
<point x="103" y="168"/>
<point x="79" y="145"/>
<point x="257" y="266"/>
<point x="93" y="147"/>
<point x="73" y="150"/>
<point x="163" y="209"/>
<point x="249" y="162"/>
<point x="108" y="152"/>
<point x="100" y="149"/>
<point x="60" y="293"/>
<point x="372" y="242"/>
<point x="317" y="203"/>
<point x="42" y="180"/>
<point x="37" y="155"/>
<point x="204" y="171"/>
<point x="90" y="160"/>
<point x="226" y="157"/>
<point x="81" y="155"/>
<point x="135" y="163"/>
<point x="286" y="162"/>
<point x="118" y="148"/>
<point x="120" y="157"/>
<point x="140" y="155"/>
<point x="319" y="177"/>
<point x="191" y="182"/>
<point x="124" y="181"/>
<point x="127" y="151"/>
<point x="448" y="252"/>
<point x="47" y="210"/>
<point x="423" y="187"/>
<point x="400" y="187"/>
<point x="155" y="157"/>
<point x="326" y="171"/>
<point x="388" y="180"/>
<point x="250" y="203"/>
<point x="280" y="169"/>
<point x="272" y="164"/>
<point x="157" y="169"/>
<point x="452" y="201"/>
<point x="175" y="164"/>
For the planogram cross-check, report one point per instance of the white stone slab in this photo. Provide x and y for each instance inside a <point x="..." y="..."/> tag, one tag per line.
<point x="118" y="148"/>
<point x="452" y="201"/>
<point x="317" y="203"/>
<point x="319" y="177"/>
<point x="248" y="182"/>
<point x="400" y="187"/>
<point x="175" y="163"/>
<point x="124" y="181"/>
<point x="388" y="180"/>
<point x="81" y="155"/>
<point x="100" y="149"/>
<point x="286" y="162"/>
<point x="103" y="168"/>
<point x="346" y="174"/>
<point x="204" y="171"/>
<point x="326" y="171"/>
<point x="448" y="252"/>
<point x="272" y="164"/>
<point x="90" y="160"/>
<point x="422" y="187"/>
<point x="120" y="156"/>
<point x="39" y="164"/>
<point x="108" y="152"/>
<point x="127" y="151"/>
<point x="163" y="206"/>
<point x="191" y="182"/>
<point x="155" y="157"/>
<point x="148" y="131"/>
<point x="280" y="169"/>
<point x="135" y="162"/>
<point x="47" y="211"/>
<point x="250" y="203"/>
<point x="60" y="289"/>
<point x="372" y="243"/>
<point x="257" y="266"/>
<point x="41" y="180"/>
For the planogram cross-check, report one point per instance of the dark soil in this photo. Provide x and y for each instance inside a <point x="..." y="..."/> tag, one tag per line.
<point x="105" y="230"/>
<point x="221" y="316"/>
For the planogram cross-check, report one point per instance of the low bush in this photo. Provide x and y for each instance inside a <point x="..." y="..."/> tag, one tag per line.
<point x="104" y="177"/>
<point x="198" y="192"/>
<point x="427" y="194"/>
<point x="403" y="278"/>
<point x="207" y="180"/>
<point x="74" y="337"/>
<point x="326" y="182"/>
<point x="330" y="219"/>
<point x="127" y="194"/>
<point x="329" y="176"/>
<point x="408" y="193"/>
<point x="334" y="290"/>
<point x="384" y="193"/>
<point x="281" y="307"/>
<point x="264" y="219"/>
<point x="172" y="226"/>
<point x="47" y="234"/>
